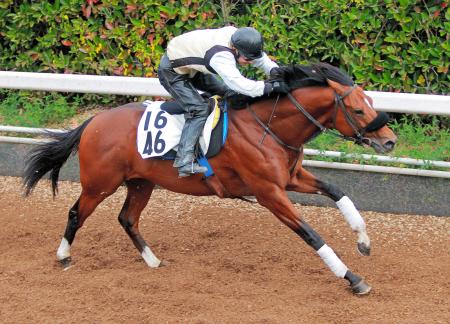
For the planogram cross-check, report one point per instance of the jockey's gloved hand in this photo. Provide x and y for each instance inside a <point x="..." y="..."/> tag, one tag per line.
<point x="275" y="72"/>
<point x="275" y="86"/>
<point x="230" y="93"/>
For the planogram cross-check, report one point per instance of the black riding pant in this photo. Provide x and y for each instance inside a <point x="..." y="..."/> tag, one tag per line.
<point x="184" y="90"/>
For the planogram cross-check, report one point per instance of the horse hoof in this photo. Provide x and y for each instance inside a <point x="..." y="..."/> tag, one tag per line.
<point x="163" y="263"/>
<point x="66" y="263"/>
<point x="361" y="288"/>
<point x="363" y="249"/>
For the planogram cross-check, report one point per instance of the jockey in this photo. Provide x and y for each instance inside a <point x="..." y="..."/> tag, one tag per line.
<point x="191" y="62"/>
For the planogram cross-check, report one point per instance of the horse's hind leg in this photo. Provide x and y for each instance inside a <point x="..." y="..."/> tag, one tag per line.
<point x="81" y="210"/>
<point x="139" y="192"/>
<point x="305" y="182"/>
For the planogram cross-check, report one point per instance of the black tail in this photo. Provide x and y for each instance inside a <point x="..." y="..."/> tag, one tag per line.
<point x="50" y="157"/>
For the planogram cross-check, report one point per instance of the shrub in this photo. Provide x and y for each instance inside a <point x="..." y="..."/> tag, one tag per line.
<point x="112" y="37"/>
<point x="388" y="45"/>
<point x="28" y="109"/>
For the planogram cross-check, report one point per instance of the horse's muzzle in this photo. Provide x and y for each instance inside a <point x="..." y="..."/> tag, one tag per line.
<point x="379" y="146"/>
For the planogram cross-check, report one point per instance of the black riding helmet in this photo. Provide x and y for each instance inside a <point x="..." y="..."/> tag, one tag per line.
<point x="249" y="42"/>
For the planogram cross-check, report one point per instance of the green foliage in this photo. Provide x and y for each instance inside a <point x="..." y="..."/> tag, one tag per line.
<point x="422" y="140"/>
<point x="24" y="108"/>
<point x="416" y="139"/>
<point x="117" y="37"/>
<point x="388" y="45"/>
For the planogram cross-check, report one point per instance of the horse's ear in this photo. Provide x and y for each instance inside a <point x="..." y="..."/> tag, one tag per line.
<point x="369" y="99"/>
<point x="339" y="88"/>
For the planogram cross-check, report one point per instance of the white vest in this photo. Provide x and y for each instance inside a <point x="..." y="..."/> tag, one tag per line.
<point x="189" y="53"/>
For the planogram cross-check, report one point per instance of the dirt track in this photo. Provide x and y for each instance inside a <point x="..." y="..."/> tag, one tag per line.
<point x="229" y="262"/>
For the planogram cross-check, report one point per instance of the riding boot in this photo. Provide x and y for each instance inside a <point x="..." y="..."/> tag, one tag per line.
<point x="185" y="159"/>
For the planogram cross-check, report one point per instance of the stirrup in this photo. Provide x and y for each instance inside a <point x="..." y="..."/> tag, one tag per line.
<point x="190" y="169"/>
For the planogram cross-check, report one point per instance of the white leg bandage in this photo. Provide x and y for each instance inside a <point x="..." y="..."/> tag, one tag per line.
<point x="151" y="260"/>
<point x="63" y="250"/>
<point x="332" y="261"/>
<point x="351" y="214"/>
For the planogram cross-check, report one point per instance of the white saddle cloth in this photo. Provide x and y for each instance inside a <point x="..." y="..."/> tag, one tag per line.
<point x="159" y="132"/>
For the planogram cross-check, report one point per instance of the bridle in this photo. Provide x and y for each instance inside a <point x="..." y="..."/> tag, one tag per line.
<point x="359" y="132"/>
<point x="378" y="122"/>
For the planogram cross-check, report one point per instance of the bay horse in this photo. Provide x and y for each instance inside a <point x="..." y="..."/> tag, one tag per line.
<point x="262" y="157"/>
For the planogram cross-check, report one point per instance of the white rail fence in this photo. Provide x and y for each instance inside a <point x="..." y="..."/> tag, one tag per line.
<point x="383" y="101"/>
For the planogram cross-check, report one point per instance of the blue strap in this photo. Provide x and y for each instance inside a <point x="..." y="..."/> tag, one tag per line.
<point x="225" y="123"/>
<point x="203" y="161"/>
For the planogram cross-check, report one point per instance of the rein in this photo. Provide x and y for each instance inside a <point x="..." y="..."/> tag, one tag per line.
<point x="379" y="121"/>
<point x="266" y="128"/>
<point x="307" y="115"/>
<point x="338" y="103"/>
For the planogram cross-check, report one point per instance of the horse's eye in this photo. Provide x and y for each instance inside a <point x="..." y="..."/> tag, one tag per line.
<point x="359" y="111"/>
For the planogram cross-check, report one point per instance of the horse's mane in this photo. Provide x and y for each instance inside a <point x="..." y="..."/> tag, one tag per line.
<point x="297" y="76"/>
<point x="300" y="76"/>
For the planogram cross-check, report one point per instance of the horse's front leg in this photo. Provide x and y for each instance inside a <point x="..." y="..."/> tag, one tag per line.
<point x="276" y="200"/>
<point x="305" y="182"/>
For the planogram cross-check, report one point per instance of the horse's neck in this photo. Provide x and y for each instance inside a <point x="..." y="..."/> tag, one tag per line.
<point x="291" y="125"/>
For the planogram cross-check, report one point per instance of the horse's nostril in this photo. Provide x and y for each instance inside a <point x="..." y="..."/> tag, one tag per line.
<point x="367" y="141"/>
<point x="389" y="145"/>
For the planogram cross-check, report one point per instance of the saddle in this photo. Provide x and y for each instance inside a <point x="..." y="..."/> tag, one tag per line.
<point x="218" y="119"/>
<point x="219" y="126"/>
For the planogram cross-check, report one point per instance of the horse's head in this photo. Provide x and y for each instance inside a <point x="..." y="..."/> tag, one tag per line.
<point x="355" y="117"/>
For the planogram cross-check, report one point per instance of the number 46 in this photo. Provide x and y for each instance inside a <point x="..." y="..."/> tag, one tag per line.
<point x="159" y="144"/>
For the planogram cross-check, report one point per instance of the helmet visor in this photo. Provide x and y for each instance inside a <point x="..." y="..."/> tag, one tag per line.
<point x="250" y="56"/>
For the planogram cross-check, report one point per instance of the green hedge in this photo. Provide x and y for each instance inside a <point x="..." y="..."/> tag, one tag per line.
<point x="390" y="45"/>
<point x="111" y="37"/>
